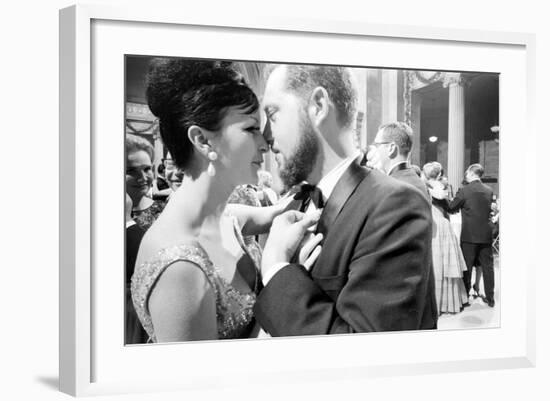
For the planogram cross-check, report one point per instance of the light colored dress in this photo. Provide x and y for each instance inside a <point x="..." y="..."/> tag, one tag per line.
<point x="448" y="264"/>
<point x="234" y="309"/>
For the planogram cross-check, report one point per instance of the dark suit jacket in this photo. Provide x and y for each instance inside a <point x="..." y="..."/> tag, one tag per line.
<point x="134" y="234"/>
<point x="474" y="201"/>
<point x="373" y="271"/>
<point x="408" y="175"/>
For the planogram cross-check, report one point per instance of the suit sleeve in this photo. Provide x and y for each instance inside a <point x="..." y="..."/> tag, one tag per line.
<point x="386" y="286"/>
<point x="458" y="201"/>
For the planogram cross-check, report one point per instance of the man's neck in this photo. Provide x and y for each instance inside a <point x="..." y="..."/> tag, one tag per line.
<point x="395" y="163"/>
<point x="332" y="155"/>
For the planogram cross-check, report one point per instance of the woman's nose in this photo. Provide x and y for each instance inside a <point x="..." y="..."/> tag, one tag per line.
<point x="264" y="147"/>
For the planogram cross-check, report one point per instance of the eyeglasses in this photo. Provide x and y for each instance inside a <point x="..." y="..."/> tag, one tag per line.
<point x="376" y="144"/>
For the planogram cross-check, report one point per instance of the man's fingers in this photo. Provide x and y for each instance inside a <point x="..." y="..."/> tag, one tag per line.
<point x="313" y="257"/>
<point x="308" y="245"/>
<point x="311" y="244"/>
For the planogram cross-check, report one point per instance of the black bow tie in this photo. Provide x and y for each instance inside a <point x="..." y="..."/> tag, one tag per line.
<point x="309" y="193"/>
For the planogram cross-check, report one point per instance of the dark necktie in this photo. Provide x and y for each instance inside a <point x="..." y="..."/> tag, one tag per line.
<point x="310" y="193"/>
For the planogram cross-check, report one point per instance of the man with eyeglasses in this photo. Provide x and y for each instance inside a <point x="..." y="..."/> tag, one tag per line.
<point x="390" y="153"/>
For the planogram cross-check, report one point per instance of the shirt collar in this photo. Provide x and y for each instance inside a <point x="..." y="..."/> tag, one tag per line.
<point x="395" y="165"/>
<point x="329" y="181"/>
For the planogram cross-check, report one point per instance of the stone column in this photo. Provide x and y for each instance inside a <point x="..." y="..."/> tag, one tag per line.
<point x="416" y="107"/>
<point x="389" y="96"/>
<point x="455" y="163"/>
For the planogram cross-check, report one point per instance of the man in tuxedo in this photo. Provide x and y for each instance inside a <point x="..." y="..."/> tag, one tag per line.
<point x="373" y="271"/>
<point x="474" y="201"/>
<point x="390" y="153"/>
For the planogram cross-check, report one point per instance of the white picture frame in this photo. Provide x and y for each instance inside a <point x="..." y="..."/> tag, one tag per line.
<point x="81" y="346"/>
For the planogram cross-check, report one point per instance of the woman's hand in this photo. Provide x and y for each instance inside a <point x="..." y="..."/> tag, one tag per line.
<point x="437" y="190"/>
<point x="287" y="202"/>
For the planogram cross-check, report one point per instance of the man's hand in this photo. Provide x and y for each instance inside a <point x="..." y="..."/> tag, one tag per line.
<point x="309" y="249"/>
<point x="286" y="234"/>
<point x="438" y="193"/>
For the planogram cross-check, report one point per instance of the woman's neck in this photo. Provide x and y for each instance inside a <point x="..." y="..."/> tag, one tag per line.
<point x="199" y="202"/>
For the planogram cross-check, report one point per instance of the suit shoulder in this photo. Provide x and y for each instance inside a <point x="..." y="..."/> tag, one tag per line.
<point x="379" y="185"/>
<point x="487" y="188"/>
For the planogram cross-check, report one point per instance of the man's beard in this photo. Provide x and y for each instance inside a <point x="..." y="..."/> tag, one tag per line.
<point x="300" y="164"/>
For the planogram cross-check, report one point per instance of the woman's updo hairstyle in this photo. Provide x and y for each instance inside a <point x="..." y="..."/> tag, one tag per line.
<point x="432" y="170"/>
<point x="185" y="92"/>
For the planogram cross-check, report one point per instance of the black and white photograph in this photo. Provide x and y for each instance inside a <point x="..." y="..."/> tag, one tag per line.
<point x="280" y="199"/>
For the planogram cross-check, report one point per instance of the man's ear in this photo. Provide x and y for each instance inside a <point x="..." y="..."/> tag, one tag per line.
<point x="199" y="139"/>
<point x="394" y="151"/>
<point x="319" y="105"/>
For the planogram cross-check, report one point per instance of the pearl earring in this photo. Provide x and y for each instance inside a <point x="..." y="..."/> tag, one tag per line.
<point x="211" y="170"/>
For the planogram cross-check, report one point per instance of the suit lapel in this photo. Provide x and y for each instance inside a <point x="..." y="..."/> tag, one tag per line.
<point x="340" y="194"/>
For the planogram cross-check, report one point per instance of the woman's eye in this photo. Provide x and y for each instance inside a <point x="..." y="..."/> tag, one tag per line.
<point x="253" y="130"/>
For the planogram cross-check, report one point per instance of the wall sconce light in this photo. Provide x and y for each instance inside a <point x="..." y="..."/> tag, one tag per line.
<point x="495" y="129"/>
<point x="432" y="139"/>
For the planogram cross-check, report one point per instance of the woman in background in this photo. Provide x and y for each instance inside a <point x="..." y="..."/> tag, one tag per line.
<point x="139" y="181"/>
<point x="448" y="261"/>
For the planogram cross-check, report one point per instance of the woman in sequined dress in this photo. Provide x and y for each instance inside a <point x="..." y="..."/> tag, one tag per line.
<point x="139" y="181"/>
<point x="195" y="278"/>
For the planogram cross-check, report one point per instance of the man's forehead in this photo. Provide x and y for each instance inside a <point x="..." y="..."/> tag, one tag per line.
<point x="276" y="81"/>
<point x="379" y="134"/>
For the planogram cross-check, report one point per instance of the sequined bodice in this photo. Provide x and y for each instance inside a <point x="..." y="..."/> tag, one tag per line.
<point x="233" y="308"/>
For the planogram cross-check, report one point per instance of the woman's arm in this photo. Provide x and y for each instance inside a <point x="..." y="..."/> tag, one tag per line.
<point x="183" y="305"/>
<point x="257" y="220"/>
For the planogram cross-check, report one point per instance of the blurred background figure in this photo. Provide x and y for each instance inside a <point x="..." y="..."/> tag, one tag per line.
<point x="247" y="195"/>
<point x="417" y="170"/>
<point x="134" y="333"/>
<point x="161" y="187"/>
<point x="390" y="153"/>
<point x="175" y="178"/>
<point x="139" y="181"/>
<point x="476" y="238"/>
<point x="266" y="194"/>
<point x="448" y="261"/>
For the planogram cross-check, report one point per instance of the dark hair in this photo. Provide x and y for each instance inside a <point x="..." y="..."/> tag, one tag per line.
<point x="399" y="133"/>
<point x="477" y="169"/>
<point x="134" y="143"/>
<point x="161" y="168"/>
<point x="186" y="92"/>
<point x="337" y="81"/>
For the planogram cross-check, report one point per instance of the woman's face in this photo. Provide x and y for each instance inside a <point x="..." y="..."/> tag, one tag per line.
<point x="139" y="174"/>
<point x="240" y="146"/>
